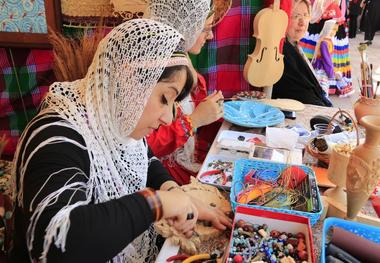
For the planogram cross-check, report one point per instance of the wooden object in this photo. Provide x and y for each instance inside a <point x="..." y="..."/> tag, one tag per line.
<point x="363" y="170"/>
<point x="336" y="173"/>
<point x="366" y="106"/>
<point x="285" y="104"/>
<point x="265" y="65"/>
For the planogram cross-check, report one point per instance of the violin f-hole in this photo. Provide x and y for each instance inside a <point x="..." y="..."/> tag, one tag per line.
<point x="262" y="55"/>
<point x="276" y="54"/>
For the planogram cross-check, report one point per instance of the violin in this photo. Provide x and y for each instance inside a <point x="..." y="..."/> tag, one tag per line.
<point x="265" y="65"/>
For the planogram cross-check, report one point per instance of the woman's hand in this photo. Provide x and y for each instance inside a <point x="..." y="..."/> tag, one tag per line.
<point x="179" y="210"/>
<point x="214" y="215"/>
<point x="208" y="111"/>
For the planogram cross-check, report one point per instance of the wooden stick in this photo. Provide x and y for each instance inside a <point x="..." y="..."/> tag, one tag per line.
<point x="224" y="99"/>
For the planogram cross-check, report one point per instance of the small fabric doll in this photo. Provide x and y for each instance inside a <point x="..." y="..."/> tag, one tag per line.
<point x="322" y="60"/>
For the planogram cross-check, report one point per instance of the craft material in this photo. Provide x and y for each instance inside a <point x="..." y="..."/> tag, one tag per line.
<point x="221" y="100"/>
<point x="220" y="179"/>
<point x="281" y="138"/>
<point x="270" y="153"/>
<point x="252" y="114"/>
<point x="359" y="247"/>
<point x="218" y="171"/>
<point x="250" y="95"/>
<point x="253" y="192"/>
<point x="321" y="175"/>
<point x="340" y="254"/>
<point x="211" y="196"/>
<point x="260" y="243"/>
<point x="294" y="201"/>
<point x="290" y="114"/>
<point x="269" y="27"/>
<point x="313" y="202"/>
<point x="292" y="176"/>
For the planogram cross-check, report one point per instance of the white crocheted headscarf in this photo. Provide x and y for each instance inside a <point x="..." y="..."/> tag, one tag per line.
<point x="187" y="16"/>
<point x="104" y="108"/>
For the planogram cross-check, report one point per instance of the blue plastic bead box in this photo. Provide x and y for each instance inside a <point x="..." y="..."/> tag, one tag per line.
<point x="371" y="233"/>
<point x="243" y="166"/>
<point x="275" y="221"/>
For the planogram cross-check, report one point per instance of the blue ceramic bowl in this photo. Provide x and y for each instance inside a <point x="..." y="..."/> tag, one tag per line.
<point x="252" y="114"/>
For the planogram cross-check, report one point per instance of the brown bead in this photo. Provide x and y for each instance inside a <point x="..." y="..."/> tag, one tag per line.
<point x="302" y="255"/>
<point x="240" y="223"/>
<point x="293" y="241"/>
<point x="301" y="245"/>
<point x="300" y="235"/>
<point x="274" y="233"/>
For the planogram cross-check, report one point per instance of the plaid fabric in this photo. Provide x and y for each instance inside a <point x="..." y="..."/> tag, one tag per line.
<point x="25" y="76"/>
<point x="222" y="59"/>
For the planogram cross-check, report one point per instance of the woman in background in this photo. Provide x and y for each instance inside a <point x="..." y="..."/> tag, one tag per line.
<point x="298" y="80"/>
<point x="323" y="10"/>
<point x="354" y="11"/>
<point x="183" y="145"/>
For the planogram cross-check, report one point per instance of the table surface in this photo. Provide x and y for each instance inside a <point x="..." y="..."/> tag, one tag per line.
<point x="302" y="118"/>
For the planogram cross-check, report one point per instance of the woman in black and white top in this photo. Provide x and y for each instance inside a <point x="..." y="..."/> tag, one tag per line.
<point x="83" y="167"/>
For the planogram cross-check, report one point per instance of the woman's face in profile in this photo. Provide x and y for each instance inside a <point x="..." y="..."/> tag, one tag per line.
<point x="299" y="21"/>
<point x="159" y="108"/>
<point x="203" y="37"/>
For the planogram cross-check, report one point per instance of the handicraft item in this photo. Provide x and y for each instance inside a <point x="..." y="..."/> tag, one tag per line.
<point x="285" y="104"/>
<point x="265" y="65"/>
<point x="258" y="243"/>
<point x="203" y="231"/>
<point x="367" y="104"/>
<point x="218" y="173"/>
<point x="250" y="95"/>
<point x="363" y="170"/>
<point x="252" y="114"/>
<point x="319" y="148"/>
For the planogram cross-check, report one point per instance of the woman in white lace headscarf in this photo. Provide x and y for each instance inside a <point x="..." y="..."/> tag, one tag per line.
<point x="186" y="16"/>
<point x="82" y="165"/>
<point x="190" y="134"/>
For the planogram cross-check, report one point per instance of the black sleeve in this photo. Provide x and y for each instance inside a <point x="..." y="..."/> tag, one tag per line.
<point x="97" y="232"/>
<point x="298" y="81"/>
<point x="157" y="173"/>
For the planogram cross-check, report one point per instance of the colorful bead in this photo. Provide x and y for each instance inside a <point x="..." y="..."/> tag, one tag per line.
<point x="238" y="259"/>
<point x="258" y="243"/>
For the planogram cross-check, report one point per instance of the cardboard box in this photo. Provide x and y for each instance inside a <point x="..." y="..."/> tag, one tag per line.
<point x="276" y="221"/>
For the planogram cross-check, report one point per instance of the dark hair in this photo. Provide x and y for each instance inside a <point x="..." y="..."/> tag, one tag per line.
<point x="169" y="71"/>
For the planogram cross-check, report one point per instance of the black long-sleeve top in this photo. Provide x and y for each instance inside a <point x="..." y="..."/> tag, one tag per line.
<point x="97" y="232"/>
<point x="298" y="81"/>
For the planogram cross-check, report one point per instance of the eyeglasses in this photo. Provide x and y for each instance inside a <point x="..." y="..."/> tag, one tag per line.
<point x="299" y="16"/>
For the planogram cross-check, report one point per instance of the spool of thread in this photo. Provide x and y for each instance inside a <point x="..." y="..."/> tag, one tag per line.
<point x="359" y="247"/>
<point x="323" y="145"/>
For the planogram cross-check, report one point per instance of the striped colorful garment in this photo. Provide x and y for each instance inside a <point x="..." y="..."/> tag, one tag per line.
<point x="25" y="76"/>
<point x="340" y="56"/>
<point x="222" y="59"/>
